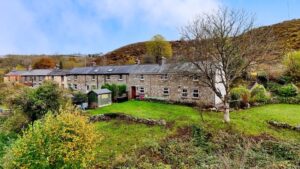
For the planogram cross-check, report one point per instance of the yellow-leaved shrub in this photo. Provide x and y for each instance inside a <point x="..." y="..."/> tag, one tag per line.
<point x="65" y="140"/>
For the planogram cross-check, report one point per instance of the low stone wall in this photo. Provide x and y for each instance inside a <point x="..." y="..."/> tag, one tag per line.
<point x="125" y="117"/>
<point x="284" y="125"/>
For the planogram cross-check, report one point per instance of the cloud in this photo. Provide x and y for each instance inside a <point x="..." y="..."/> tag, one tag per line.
<point x="18" y="28"/>
<point x="153" y="12"/>
<point x="87" y="26"/>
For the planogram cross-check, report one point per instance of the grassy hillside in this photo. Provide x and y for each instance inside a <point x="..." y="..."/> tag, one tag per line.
<point x="288" y="33"/>
<point x="123" y="138"/>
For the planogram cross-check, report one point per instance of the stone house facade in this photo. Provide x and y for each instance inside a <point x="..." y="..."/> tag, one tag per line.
<point x="161" y="82"/>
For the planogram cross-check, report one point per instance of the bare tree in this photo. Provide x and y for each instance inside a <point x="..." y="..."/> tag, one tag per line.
<point x="224" y="44"/>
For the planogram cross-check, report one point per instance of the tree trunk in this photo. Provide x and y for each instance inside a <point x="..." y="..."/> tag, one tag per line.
<point x="226" y="112"/>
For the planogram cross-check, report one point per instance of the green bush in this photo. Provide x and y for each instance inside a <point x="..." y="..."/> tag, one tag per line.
<point x="62" y="141"/>
<point x="289" y="90"/>
<point x="35" y="103"/>
<point x="79" y="97"/>
<point x="15" y="123"/>
<point x="286" y="100"/>
<point x="273" y="87"/>
<point x="240" y="96"/>
<point x="116" y="90"/>
<point x="259" y="94"/>
<point x="6" y="139"/>
<point x="292" y="63"/>
<point x="285" y="80"/>
<point x="122" y="89"/>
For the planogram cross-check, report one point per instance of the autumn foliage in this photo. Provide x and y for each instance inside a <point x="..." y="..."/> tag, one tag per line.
<point x="44" y="63"/>
<point x="66" y="140"/>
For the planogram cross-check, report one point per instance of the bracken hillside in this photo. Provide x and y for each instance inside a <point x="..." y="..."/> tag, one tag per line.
<point x="287" y="32"/>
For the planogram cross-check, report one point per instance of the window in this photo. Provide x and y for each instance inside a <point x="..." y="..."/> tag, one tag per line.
<point x="94" y="87"/>
<point x="184" y="93"/>
<point x="195" y="93"/>
<point x="142" y="77"/>
<point x="107" y="77"/>
<point x="87" y="87"/>
<point x="120" y="77"/>
<point x="195" y="78"/>
<point x="52" y="77"/>
<point x="141" y="90"/>
<point x="26" y="78"/>
<point x="164" y="77"/>
<point x="62" y="78"/>
<point x="34" y="78"/>
<point x="75" y="77"/>
<point x="75" y="86"/>
<point x="93" y="77"/>
<point x="166" y="91"/>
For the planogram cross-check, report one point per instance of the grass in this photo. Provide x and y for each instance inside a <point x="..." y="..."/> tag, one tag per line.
<point x="121" y="138"/>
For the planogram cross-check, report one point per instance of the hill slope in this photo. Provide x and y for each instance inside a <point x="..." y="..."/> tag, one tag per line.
<point x="288" y="33"/>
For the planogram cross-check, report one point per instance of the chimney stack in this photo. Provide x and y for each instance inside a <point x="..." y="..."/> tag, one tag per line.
<point x="163" y="60"/>
<point x="138" y="61"/>
<point x="29" y="68"/>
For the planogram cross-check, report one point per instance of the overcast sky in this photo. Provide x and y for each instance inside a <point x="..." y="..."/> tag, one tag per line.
<point x="93" y="26"/>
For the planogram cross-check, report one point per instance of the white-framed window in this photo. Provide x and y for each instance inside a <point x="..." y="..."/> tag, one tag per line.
<point x="107" y="77"/>
<point x="75" y="77"/>
<point x="142" y="77"/>
<point x="141" y="90"/>
<point x="195" y="78"/>
<point x="164" y="77"/>
<point x="75" y="86"/>
<point x="93" y="77"/>
<point x="166" y="91"/>
<point x="184" y="93"/>
<point x="120" y="77"/>
<point x="195" y="93"/>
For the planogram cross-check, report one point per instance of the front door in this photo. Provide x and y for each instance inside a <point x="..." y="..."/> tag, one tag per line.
<point x="133" y="92"/>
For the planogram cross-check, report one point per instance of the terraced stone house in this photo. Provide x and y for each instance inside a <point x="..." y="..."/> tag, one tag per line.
<point x="157" y="81"/>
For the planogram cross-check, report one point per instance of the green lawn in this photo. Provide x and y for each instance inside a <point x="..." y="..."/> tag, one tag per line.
<point x="121" y="137"/>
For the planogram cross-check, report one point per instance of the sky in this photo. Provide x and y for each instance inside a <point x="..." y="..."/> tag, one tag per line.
<point x="100" y="26"/>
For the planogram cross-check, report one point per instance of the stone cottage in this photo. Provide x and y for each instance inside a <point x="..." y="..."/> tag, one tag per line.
<point x="156" y="81"/>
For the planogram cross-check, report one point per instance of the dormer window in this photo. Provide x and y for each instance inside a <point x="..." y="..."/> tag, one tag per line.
<point x="164" y="77"/>
<point x="110" y="70"/>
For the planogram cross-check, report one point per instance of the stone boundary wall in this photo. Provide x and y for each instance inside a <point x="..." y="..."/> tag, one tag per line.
<point x="125" y="117"/>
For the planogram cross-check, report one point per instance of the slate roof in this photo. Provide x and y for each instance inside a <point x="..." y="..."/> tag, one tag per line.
<point x="58" y="72"/>
<point x="107" y="70"/>
<point x="101" y="91"/>
<point x="124" y="69"/>
<point x="37" y="72"/>
<point x="16" y="73"/>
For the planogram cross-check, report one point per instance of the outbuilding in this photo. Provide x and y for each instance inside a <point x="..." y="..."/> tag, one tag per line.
<point x="99" y="98"/>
